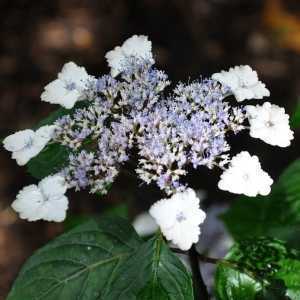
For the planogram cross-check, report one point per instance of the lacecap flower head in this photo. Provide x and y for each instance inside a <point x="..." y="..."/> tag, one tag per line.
<point x="128" y="111"/>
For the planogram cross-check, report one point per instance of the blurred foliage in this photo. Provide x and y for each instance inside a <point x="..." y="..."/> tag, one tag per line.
<point x="284" y="24"/>
<point x="259" y="268"/>
<point x="295" y="119"/>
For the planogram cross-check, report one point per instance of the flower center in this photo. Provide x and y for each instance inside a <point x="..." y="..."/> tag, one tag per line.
<point x="70" y="86"/>
<point x="269" y="124"/>
<point x="180" y="217"/>
<point x="29" y="143"/>
<point x="246" y="177"/>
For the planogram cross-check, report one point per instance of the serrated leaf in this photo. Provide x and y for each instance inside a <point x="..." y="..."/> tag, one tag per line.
<point x="103" y="260"/>
<point x="80" y="264"/>
<point x="51" y="160"/>
<point x="276" y="215"/>
<point x="153" y="272"/>
<point x="275" y="269"/>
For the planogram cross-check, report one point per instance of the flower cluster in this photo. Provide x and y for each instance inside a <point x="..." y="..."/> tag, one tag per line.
<point x="129" y="112"/>
<point x="187" y="129"/>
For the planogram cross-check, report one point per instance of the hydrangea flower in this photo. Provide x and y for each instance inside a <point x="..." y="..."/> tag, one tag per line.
<point x="45" y="201"/>
<point x="243" y="82"/>
<point x="26" y="144"/>
<point x="131" y="119"/>
<point x="270" y="123"/>
<point x="179" y="218"/>
<point x="67" y="89"/>
<point x="245" y="176"/>
<point x="137" y="46"/>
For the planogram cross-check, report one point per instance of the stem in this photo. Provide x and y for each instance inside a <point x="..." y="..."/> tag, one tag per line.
<point x="229" y="263"/>
<point x="200" y="289"/>
<point x="226" y="262"/>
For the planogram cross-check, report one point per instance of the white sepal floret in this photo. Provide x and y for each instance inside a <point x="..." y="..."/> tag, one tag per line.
<point x="243" y="82"/>
<point x="137" y="46"/>
<point x="270" y="123"/>
<point x="67" y="89"/>
<point x="179" y="218"/>
<point x="26" y="144"/>
<point x="45" y="201"/>
<point x="245" y="176"/>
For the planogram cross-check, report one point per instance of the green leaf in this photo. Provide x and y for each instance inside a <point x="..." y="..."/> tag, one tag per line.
<point x="51" y="160"/>
<point x="103" y="260"/>
<point x="80" y="264"/>
<point x="295" y="119"/>
<point x="74" y="220"/>
<point x="120" y="210"/>
<point x="153" y="272"/>
<point x="276" y="215"/>
<point x="260" y="268"/>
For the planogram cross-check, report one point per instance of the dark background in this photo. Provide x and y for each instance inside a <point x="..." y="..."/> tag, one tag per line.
<point x="190" y="37"/>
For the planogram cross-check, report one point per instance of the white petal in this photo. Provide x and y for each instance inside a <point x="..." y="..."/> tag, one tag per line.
<point x="28" y="203"/>
<point x="164" y="212"/>
<point x="70" y="98"/>
<point x="73" y="73"/>
<point x="227" y="78"/>
<point x="22" y="157"/>
<point x="114" y="59"/>
<point x="43" y="135"/>
<point x="260" y="90"/>
<point x="53" y="186"/>
<point x="242" y="94"/>
<point x="18" y="140"/>
<point x="246" y="75"/>
<point x="56" y="209"/>
<point x="54" y="92"/>
<point x="138" y="46"/>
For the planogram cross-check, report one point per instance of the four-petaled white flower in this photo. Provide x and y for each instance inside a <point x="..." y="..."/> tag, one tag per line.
<point x="45" y="201"/>
<point x="66" y="90"/>
<point x="243" y="82"/>
<point x="270" y="123"/>
<point x="137" y="45"/>
<point x="26" y="144"/>
<point x="144" y="224"/>
<point x="179" y="218"/>
<point x="245" y="176"/>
